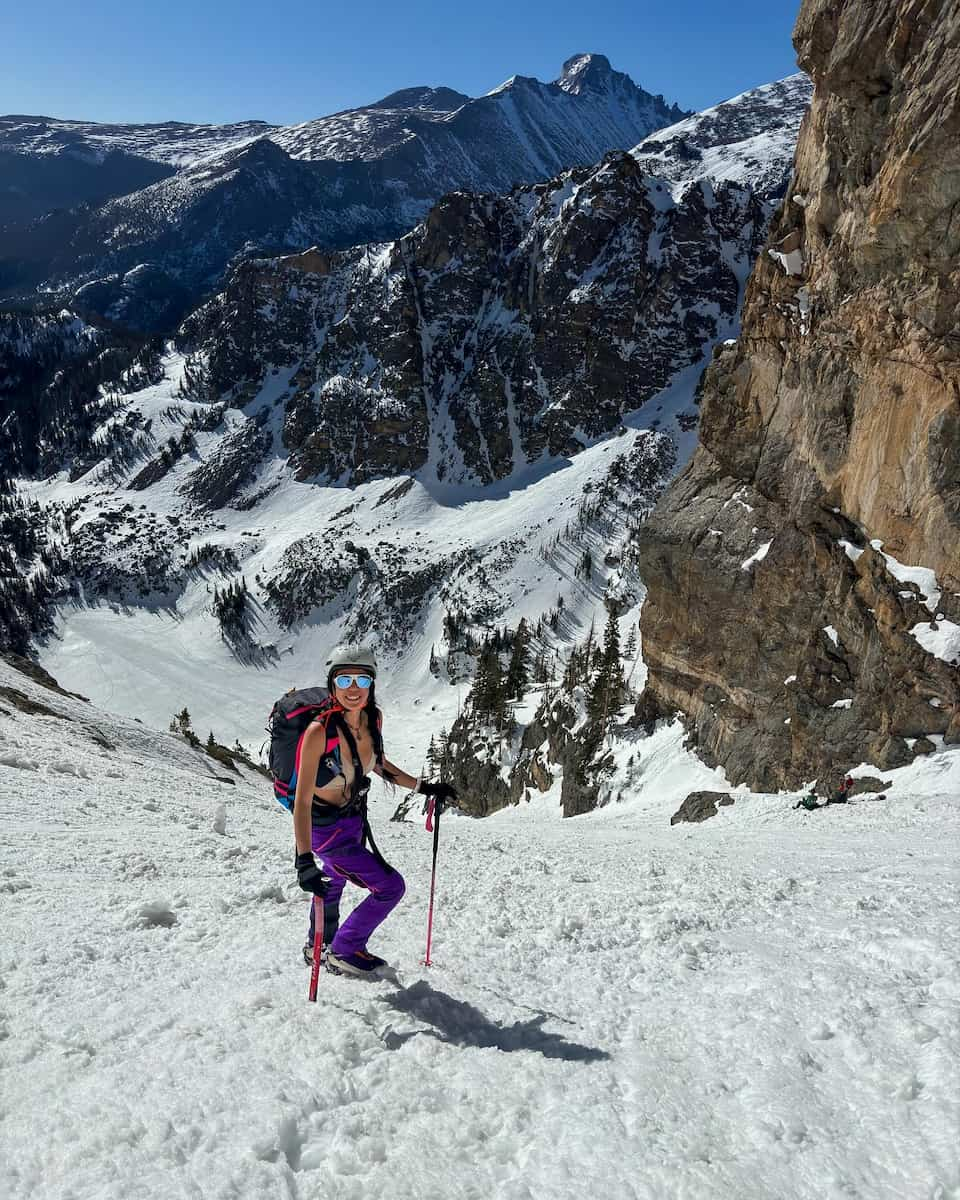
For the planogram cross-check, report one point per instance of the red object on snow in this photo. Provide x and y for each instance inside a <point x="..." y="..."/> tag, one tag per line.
<point x="317" y="946"/>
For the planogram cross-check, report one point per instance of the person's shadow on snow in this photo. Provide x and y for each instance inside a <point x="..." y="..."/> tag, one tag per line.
<point x="460" y="1023"/>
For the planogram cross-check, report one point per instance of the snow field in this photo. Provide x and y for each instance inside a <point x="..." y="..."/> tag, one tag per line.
<point x="760" y="1006"/>
<point x="108" y="650"/>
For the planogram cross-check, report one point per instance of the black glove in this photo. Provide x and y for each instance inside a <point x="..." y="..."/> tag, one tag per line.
<point x="444" y="795"/>
<point x="309" y="875"/>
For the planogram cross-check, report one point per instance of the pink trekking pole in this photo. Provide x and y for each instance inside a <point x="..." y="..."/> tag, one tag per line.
<point x="434" y="824"/>
<point x="317" y="946"/>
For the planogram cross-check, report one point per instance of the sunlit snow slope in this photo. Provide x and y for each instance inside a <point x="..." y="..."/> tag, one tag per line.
<point x="152" y="655"/>
<point x="763" y="1006"/>
<point x="746" y="139"/>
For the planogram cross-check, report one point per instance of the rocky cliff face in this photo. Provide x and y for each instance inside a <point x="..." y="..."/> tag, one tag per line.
<point x="804" y="571"/>
<point x="501" y="329"/>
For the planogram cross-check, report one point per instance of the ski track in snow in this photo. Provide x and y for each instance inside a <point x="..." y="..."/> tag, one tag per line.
<point x="761" y="1006"/>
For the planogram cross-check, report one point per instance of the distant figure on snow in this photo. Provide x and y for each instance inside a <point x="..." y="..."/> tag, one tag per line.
<point x="842" y="794"/>
<point x="337" y="755"/>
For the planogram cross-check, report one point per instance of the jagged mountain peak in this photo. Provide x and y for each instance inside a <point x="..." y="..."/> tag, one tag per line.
<point x="583" y="71"/>
<point x="363" y="175"/>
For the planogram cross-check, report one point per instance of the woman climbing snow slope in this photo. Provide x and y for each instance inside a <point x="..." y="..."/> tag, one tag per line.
<point x="337" y="754"/>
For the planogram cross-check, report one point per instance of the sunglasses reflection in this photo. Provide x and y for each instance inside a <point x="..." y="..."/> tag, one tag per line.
<point x="345" y="681"/>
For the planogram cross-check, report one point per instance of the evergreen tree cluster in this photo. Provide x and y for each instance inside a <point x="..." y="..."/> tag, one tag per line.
<point x="598" y="668"/>
<point x="182" y="725"/>
<point x="607" y="688"/>
<point x="30" y="571"/>
<point x="196" y="383"/>
<point x="230" y="607"/>
<point x="495" y="686"/>
<point x="176" y="447"/>
<point x="438" y="763"/>
<point x="59" y="381"/>
<point x="457" y="632"/>
<point x="214" y="555"/>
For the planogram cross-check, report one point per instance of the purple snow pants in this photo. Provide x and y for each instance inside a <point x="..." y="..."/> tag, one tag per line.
<point x="340" y="848"/>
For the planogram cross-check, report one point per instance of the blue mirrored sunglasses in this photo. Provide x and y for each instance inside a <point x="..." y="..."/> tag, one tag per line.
<point x="344" y="681"/>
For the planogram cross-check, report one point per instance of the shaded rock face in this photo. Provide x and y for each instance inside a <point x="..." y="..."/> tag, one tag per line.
<point x="217" y="481"/>
<point x="790" y="641"/>
<point x="868" y="785"/>
<point x="503" y="328"/>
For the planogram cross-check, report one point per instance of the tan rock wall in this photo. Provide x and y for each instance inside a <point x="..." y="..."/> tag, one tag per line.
<point x="838" y="410"/>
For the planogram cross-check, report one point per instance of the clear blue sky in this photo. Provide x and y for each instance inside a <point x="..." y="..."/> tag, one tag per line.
<point x="289" y="60"/>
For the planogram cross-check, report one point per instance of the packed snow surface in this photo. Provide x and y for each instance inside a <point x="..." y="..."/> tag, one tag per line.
<point x="760" y="1006"/>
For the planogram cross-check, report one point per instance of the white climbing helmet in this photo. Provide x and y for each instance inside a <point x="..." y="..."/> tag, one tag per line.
<point x="352" y="655"/>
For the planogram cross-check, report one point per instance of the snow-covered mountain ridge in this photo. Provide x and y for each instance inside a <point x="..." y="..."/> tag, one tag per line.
<point x="387" y="560"/>
<point x="366" y="132"/>
<point x="745" y="139"/>
<point x="341" y="180"/>
<point x="173" y="143"/>
<point x="500" y="338"/>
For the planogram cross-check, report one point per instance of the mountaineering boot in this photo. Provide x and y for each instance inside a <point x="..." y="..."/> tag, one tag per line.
<point x="359" y="963"/>
<point x="308" y="954"/>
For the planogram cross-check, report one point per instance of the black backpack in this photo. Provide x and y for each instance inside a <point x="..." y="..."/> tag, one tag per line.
<point x="289" y="719"/>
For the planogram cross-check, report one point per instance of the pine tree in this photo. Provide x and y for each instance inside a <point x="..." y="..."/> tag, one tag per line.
<point x="181" y="724"/>
<point x="517" y="680"/>
<point x="443" y="753"/>
<point x="488" y="685"/>
<point x="606" y="694"/>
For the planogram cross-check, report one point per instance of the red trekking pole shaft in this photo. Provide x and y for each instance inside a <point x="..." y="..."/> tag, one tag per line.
<point x="433" y="876"/>
<point x="317" y="945"/>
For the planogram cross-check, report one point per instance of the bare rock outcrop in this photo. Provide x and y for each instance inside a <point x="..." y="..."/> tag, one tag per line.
<point x="700" y="806"/>
<point x="786" y="615"/>
<point x="501" y="329"/>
